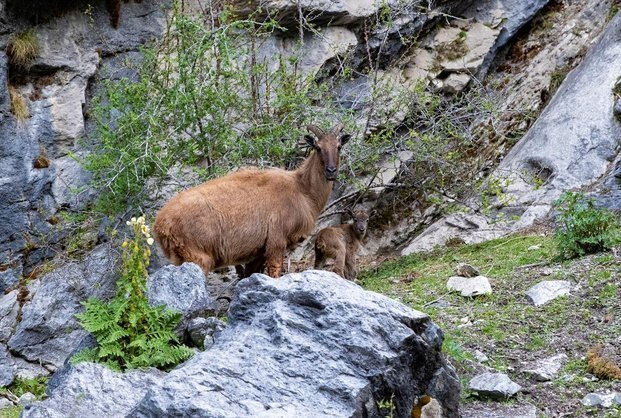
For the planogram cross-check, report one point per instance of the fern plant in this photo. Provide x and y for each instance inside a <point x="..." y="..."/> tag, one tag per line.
<point x="129" y="332"/>
<point x="583" y="228"/>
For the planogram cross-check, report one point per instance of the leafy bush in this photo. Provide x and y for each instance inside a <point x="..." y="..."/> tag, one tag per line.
<point x="204" y="100"/>
<point x="130" y="333"/>
<point x="583" y="228"/>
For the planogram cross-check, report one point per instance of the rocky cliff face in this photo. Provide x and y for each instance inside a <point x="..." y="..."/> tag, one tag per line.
<point x="559" y="58"/>
<point x="40" y="176"/>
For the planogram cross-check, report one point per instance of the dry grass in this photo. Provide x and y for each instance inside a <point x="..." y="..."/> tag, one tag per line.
<point x="23" y="48"/>
<point x="601" y="364"/>
<point x="19" y="106"/>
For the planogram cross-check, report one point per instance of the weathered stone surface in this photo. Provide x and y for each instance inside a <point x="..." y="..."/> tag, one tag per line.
<point x="70" y="187"/>
<point x="5" y="403"/>
<point x="480" y="356"/>
<point x="494" y="385"/>
<point x="308" y="344"/>
<point x="575" y="139"/>
<point x="49" y="330"/>
<point x="315" y="51"/>
<point x="182" y="289"/>
<point x="468" y="287"/>
<point x="27" y="398"/>
<point x="71" y="46"/>
<point x="9" y="309"/>
<point x="91" y="390"/>
<point x="202" y="331"/>
<point x="546" y="369"/>
<point x="9" y="278"/>
<point x="455" y="83"/>
<point x="545" y="291"/>
<point x="7" y="373"/>
<point x="601" y="399"/>
<point x="470" y="228"/>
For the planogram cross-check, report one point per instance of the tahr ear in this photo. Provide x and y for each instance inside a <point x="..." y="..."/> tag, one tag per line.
<point x="344" y="139"/>
<point x="311" y="141"/>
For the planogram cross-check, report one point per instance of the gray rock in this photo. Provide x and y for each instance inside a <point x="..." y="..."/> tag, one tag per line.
<point x="7" y="372"/>
<point x="601" y="399"/>
<point x="545" y="291"/>
<point x="546" y="369"/>
<point x="49" y="330"/>
<point x="71" y="47"/>
<point x="26" y="370"/>
<point x="8" y="278"/>
<point x="574" y="140"/>
<point x="480" y="356"/>
<point x="5" y="403"/>
<point x="91" y="390"/>
<point x="494" y="385"/>
<point x="203" y="330"/>
<point x="468" y="287"/>
<point x="182" y="289"/>
<point x="9" y="308"/>
<point x="308" y="344"/>
<point x="507" y="15"/>
<point x="70" y="187"/>
<point x="27" y="398"/>
<point x="471" y="228"/>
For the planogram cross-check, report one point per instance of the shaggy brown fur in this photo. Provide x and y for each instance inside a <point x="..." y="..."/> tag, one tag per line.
<point x="342" y="242"/>
<point x="251" y="216"/>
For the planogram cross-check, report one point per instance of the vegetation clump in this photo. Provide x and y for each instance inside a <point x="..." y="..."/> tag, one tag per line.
<point x="129" y="332"/>
<point x="19" y="107"/>
<point x="582" y="228"/>
<point x="23" y="48"/>
<point x="600" y="364"/>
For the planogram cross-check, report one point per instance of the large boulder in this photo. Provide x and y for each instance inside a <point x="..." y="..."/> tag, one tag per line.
<point x="308" y="344"/>
<point x="49" y="330"/>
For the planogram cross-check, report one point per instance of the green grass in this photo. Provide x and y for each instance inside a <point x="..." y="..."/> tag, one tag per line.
<point x="11" y="411"/>
<point x="505" y="325"/>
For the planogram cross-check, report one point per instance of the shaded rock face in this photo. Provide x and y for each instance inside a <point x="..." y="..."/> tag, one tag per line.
<point x="49" y="331"/>
<point x="72" y="46"/>
<point x="309" y="344"/>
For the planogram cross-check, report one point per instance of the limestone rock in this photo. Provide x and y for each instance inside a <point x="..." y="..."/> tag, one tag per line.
<point x="83" y="393"/>
<point x="308" y="344"/>
<point x="182" y="289"/>
<point x="8" y="278"/>
<point x="9" y="308"/>
<point x="468" y="287"/>
<point x="7" y="373"/>
<point x="546" y="369"/>
<point x="49" y="330"/>
<point x="545" y="291"/>
<point x="203" y="330"/>
<point x="455" y="83"/>
<point x="600" y="399"/>
<point x="494" y="385"/>
<point x="70" y="187"/>
<point x="581" y="113"/>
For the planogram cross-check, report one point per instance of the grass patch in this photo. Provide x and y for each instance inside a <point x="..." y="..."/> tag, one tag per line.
<point x="37" y="386"/>
<point x="504" y="325"/>
<point x="19" y="106"/>
<point x="11" y="411"/>
<point x="23" y="48"/>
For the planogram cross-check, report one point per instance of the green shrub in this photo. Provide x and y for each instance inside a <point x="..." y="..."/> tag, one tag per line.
<point x="582" y="228"/>
<point x="130" y="333"/>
